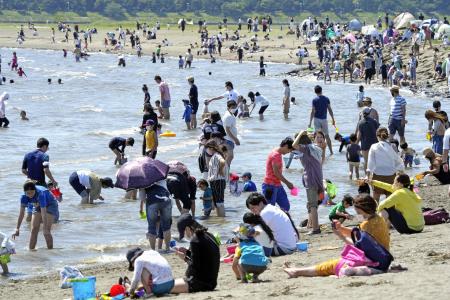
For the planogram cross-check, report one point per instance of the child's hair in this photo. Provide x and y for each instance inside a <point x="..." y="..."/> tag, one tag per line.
<point x="244" y="101"/>
<point x="130" y="141"/>
<point x="364" y="189"/>
<point x="159" y="126"/>
<point x="366" y="203"/>
<point x="293" y="99"/>
<point x="348" y="199"/>
<point x="361" y="88"/>
<point x="203" y="182"/>
<point x="337" y="136"/>
<point x="404" y="146"/>
<point x="253" y="219"/>
<point x="179" y="56"/>
<point x="353" y="137"/>
<point x="157" y="102"/>
<point x="22" y="112"/>
<point x="404" y="180"/>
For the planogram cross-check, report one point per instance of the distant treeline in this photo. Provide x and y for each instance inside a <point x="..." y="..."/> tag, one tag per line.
<point x="117" y="9"/>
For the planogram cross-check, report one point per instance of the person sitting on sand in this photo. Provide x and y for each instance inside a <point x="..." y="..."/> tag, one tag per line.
<point x="403" y="207"/>
<point x="202" y="257"/>
<point x="373" y="224"/>
<point x="152" y="270"/>
<point x="436" y="166"/>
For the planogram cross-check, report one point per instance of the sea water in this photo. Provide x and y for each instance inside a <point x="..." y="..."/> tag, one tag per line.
<point x="99" y="100"/>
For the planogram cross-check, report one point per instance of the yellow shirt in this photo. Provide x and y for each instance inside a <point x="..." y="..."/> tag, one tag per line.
<point x="377" y="227"/>
<point x="150" y="140"/>
<point x="408" y="203"/>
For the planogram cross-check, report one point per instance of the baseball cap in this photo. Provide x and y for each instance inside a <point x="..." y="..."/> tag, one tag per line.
<point x="108" y="182"/>
<point x="184" y="221"/>
<point x="247" y="174"/>
<point x="132" y="255"/>
<point x="149" y="123"/>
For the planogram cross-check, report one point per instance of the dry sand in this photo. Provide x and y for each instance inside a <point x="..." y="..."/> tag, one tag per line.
<point x="426" y="255"/>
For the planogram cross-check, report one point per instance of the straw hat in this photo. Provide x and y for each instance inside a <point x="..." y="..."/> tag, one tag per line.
<point x="427" y="151"/>
<point x="395" y="88"/>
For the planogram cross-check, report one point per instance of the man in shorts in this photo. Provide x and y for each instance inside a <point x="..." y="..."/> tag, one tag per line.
<point x="320" y="106"/>
<point x="272" y="188"/>
<point x="397" y="118"/>
<point x="165" y="96"/>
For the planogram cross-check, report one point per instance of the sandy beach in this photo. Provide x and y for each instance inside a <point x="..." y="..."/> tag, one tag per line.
<point x="426" y="255"/>
<point x="279" y="48"/>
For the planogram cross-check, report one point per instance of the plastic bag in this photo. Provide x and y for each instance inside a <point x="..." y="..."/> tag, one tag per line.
<point x="67" y="273"/>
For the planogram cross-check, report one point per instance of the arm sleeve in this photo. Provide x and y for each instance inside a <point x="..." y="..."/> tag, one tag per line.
<point x="382" y="185"/>
<point x="138" y="267"/>
<point x="46" y="162"/>
<point x="371" y="161"/>
<point x="43" y="198"/>
<point x="389" y="201"/>
<point x="25" y="163"/>
<point x="23" y="201"/>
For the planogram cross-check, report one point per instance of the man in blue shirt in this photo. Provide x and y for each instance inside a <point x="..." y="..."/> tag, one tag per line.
<point x="249" y="185"/>
<point x="320" y="106"/>
<point x="45" y="209"/>
<point x="36" y="164"/>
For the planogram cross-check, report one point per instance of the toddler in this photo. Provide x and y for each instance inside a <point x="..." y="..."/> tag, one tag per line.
<point x="6" y="249"/>
<point x="353" y="156"/>
<point x="338" y="212"/>
<point x="207" y="196"/>
<point x="407" y="155"/>
<point x="180" y="62"/>
<point x="187" y="114"/>
<point x="249" y="185"/>
<point x="159" y="108"/>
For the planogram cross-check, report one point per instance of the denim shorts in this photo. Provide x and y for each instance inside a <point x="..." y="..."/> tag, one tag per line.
<point x="230" y="145"/>
<point x="164" y="211"/>
<point x="279" y="196"/>
<point x="163" y="288"/>
<point x="165" y="103"/>
<point x="396" y="126"/>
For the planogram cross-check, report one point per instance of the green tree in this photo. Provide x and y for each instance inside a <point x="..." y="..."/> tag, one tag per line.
<point x="114" y="11"/>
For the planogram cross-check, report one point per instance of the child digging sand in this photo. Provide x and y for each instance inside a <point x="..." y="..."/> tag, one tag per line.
<point x="338" y="212"/>
<point x="249" y="257"/>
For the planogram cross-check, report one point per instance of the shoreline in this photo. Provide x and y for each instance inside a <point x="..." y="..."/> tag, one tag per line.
<point x="275" y="50"/>
<point x="427" y="253"/>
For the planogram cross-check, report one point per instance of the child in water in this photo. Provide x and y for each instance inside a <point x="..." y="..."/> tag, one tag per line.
<point x="187" y="114"/>
<point x="245" y="109"/>
<point x="23" y="116"/>
<point x="180" y="62"/>
<point x="249" y="185"/>
<point x="162" y="58"/>
<point x="154" y="58"/>
<point x="151" y="139"/>
<point x="345" y="140"/>
<point x="159" y="108"/>
<point x="262" y="66"/>
<point x="21" y="72"/>
<point x="360" y="96"/>
<point x="353" y="156"/>
<point x="407" y="155"/>
<point x="207" y="197"/>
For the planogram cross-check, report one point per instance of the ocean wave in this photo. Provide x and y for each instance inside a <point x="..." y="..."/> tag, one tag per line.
<point x="124" y="131"/>
<point x="91" y="108"/>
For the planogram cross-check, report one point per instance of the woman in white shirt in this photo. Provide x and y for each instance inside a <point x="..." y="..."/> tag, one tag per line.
<point x="257" y="98"/>
<point x="383" y="162"/>
<point x="217" y="175"/>
<point x="152" y="270"/>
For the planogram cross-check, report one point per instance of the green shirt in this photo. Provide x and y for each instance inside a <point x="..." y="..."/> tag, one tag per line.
<point x="337" y="208"/>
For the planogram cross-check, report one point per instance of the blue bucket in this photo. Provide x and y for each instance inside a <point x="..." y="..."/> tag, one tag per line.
<point x="83" y="288"/>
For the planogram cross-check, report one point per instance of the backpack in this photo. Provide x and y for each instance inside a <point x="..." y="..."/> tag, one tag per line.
<point x="372" y="249"/>
<point x="436" y="216"/>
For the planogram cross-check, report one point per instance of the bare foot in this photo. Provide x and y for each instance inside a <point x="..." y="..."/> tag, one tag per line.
<point x="287" y="264"/>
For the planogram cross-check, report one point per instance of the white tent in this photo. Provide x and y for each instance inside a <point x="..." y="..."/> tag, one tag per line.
<point x="368" y="29"/>
<point x="444" y="29"/>
<point x="403" y="20"/>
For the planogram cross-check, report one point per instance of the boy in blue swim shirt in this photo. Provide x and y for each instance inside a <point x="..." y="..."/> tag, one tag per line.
<point x="249" y="185"/>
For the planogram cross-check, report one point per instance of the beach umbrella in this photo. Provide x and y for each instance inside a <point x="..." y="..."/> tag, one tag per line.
<point x="141" y="173"/>
<point x="176" y="166"/>
<point x="351" y="37"/>
<point x="354" y="25"/>
<point x="443" y="30"/>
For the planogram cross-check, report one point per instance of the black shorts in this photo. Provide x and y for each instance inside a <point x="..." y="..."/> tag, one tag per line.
<point x="178" y="187"/>
<point x="398" y="221"/>
<point x="194" y="107"/>
<point x="199" y="286"/>
<point x="218" y="190"/>
<point x="263" y="109"/>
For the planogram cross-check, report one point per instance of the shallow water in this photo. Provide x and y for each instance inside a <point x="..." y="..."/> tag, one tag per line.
<point x="99" y="100"/>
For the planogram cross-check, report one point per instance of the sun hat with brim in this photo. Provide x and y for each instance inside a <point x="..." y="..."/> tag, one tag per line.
<point x="367" y="99"/>
<point x="184" y="221"/>
<point x="427" y="151"/>
<point x="132" y="255"/>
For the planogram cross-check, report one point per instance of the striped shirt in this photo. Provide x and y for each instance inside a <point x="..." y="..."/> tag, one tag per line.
<point x="396" y="107"/>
